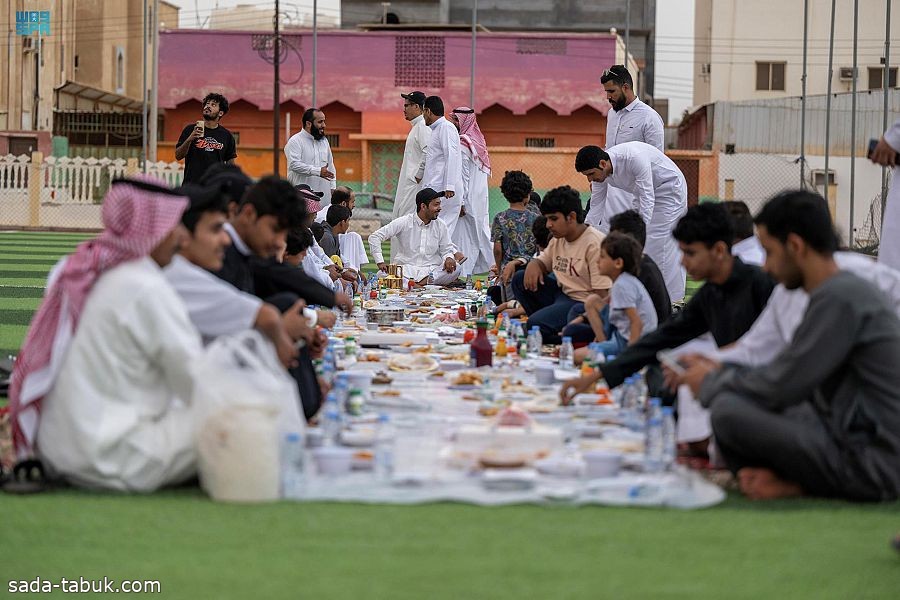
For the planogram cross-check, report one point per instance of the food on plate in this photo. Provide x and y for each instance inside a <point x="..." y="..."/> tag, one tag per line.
<point x="370" y="303"/>
<point x="511" y="385"/>
<point x="498" y="459"/>
<point x="487" y="411"/>
<point x="512" y="416"/>
<point x="438" y="374"/>
<point x="423" y="350"/>
<point x="468" y="378"/>
<point x="412" y="362"/>
<point x="371" y="357"/>
<point x="470" y="398"/>
<point x="364" y="455"/>
<point x="381" y="378"/>
<point x="391" y="393"/>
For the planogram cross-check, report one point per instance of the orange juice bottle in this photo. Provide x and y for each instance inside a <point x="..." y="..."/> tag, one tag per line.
<point x="500" y="349"/>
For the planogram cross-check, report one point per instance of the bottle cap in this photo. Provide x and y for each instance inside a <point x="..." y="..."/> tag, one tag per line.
<point x="567" y="340"/>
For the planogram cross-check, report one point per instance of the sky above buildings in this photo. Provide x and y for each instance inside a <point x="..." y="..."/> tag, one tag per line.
<point x="674" y="39"/>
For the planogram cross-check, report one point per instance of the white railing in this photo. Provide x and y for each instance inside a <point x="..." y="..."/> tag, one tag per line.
<point x="77" y="180"/>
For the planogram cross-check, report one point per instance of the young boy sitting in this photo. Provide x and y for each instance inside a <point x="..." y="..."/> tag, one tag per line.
<point x="631" y="312"/>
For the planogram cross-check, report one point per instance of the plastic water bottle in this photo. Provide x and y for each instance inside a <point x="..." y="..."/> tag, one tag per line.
<point x="641" y="392"/>
<point x="331" y="423"/>
<point x="328" y="366"/>
<point x="293" y="465"/>
<point x="470" y="285"/>
<point x="668" y="438"/>
<point x="567" y="354"/>
<point x="653" y="438"/>
<point x="384" y="449"/>
<point x="538" y="341"/>
<point x="489" y="305"/>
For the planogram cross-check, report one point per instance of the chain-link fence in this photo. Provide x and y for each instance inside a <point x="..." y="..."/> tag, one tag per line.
<point x="62" y="192"/>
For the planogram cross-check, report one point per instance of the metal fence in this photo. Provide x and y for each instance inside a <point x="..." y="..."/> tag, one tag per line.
<point x="62" y="192"/>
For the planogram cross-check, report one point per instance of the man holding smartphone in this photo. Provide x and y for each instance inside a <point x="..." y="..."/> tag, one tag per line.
<point x="885" y="153"/>
<point x="205" y="142"/>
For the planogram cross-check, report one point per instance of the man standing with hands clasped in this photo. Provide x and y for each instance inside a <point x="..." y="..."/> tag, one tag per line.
<point x="309" y="156"/>
<point x="201" y="146"/>
<point x="413" y="168"/>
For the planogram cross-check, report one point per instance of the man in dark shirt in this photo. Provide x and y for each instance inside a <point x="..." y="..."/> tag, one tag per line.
<point x="336" y="222"/>
<point x="823" y="418"/>
<point x="269" y="208"/>
<point x="631" y="223"/>
<point x="726" y="306"/>
<point x="201" y="147"/>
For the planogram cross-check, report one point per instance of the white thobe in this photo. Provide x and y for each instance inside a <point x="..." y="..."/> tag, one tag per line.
<point x="774" y="330"/>
<point x="473" y="231"/>
<point x="443" y="169"/>
<point x="750" y="251"/>
<point x="118" y="414"/>
<point x="214" y="306"/>
<point x="421" y="248"/>
<point x="413" y="167"/>
<point x="660" y="196"/>
<point x="637" y="122"/>
<point x="305" y="158"/>
<point x="353" y="251"/>
<point x="314" y="264"/>
<point x="889" y="246"/>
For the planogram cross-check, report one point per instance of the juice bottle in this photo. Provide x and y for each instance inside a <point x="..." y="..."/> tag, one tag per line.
<point x="481" y="353"/>
<point x="469" y="335"/>
<point x="500" y="350"/>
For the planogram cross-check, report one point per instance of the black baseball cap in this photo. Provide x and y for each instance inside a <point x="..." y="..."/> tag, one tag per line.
<point x="427" y="195"/>
<point x="302" y="187"/>
<point x="414" y="97"/>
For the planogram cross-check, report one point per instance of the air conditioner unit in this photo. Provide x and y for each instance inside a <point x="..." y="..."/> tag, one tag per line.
<point x="846" y="73"/>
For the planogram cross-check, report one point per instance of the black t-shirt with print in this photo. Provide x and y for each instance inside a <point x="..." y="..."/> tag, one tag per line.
<point x="216" y="146"/>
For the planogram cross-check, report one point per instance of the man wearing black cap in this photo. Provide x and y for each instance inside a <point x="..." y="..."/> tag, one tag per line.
<point x="413" y="155"/>
<point x="421" y="243"/>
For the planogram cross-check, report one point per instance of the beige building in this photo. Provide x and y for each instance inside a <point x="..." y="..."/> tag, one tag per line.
<point x="754" y="50"/>
<point x="74" y="81"/>
<point x="249" y="17"/>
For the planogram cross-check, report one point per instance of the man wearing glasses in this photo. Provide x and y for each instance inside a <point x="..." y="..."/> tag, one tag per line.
<point x="413" y="167"/>
<point x="630" y="120"/>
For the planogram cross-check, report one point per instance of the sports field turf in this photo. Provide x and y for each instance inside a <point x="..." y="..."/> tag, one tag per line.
<point x="198" y="549"/>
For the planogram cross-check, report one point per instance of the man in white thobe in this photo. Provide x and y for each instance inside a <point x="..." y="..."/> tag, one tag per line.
<point x="443" y="162"/>
<point x="413" y="168"/>
<point x="107" y="362"/>
<point x="473" y="231"/>
<point x="629" y="120"/>
<point x="424" y="247"/>
<point x="887" y="154"/>
<point x="309" y="157"/>
<point x="660" y="197"/>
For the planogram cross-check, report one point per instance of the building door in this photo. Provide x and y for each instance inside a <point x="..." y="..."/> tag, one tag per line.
<point x="22" y="145"/>
<point x="386" y="160"/>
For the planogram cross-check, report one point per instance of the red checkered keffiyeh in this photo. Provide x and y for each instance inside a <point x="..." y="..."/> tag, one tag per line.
<point x="137" y="215"/>
<point x="470" y="136"/>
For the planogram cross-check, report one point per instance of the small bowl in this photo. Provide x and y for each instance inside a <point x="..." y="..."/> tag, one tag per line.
<point x="333" y="460"/>
<point x="601" y="463"/>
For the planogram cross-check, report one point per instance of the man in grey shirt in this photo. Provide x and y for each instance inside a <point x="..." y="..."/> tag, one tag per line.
<point x="823" y="418"/>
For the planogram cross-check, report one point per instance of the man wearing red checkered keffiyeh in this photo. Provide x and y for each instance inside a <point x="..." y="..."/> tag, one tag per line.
<point x="87" y="338"/>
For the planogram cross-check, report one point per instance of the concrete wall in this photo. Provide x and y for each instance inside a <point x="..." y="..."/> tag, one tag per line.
<point x="732" y="35"/>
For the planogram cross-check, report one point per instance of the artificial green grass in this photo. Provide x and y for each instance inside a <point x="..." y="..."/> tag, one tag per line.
<point x="199" y="549"/>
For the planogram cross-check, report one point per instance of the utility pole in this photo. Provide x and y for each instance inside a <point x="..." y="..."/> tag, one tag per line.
<point x="144" y="107"/>
<point x="276" y="108"/>
<point x="474" y="36"/>
<point x="154" y="100"/>
<point x="315" y="50"/>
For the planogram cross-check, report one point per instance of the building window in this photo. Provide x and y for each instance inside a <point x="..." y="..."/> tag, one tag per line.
<point x="540" y="142"/>
<point x="334" y="140"/>
<point x="876" y="78"/>
<point x="120" y="70"/>
<point x="770" y="76"/>
<point x="419" y="61"/>
<point x="542" y="46"/>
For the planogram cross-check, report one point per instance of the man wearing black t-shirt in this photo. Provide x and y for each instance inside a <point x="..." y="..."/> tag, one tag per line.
<point x="212" y="144"/>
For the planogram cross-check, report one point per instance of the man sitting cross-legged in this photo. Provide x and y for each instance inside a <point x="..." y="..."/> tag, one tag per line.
<point x="423" y="246"/>
<point x="103" y="385"/>
<point x="571" y="257"/>
<point x="823" y="418"/>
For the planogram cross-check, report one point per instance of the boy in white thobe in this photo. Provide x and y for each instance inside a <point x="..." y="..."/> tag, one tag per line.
<point x="413" y="168"/>
<point x="443" y="162"/>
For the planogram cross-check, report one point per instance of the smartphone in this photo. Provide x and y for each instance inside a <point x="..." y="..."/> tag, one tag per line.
<point x="201" y="125"/>
<point x="667" y="359"/>
<point x="872" y="143"/>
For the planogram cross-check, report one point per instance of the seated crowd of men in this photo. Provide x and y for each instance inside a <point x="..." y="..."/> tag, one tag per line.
<point x="786" y="372"/>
